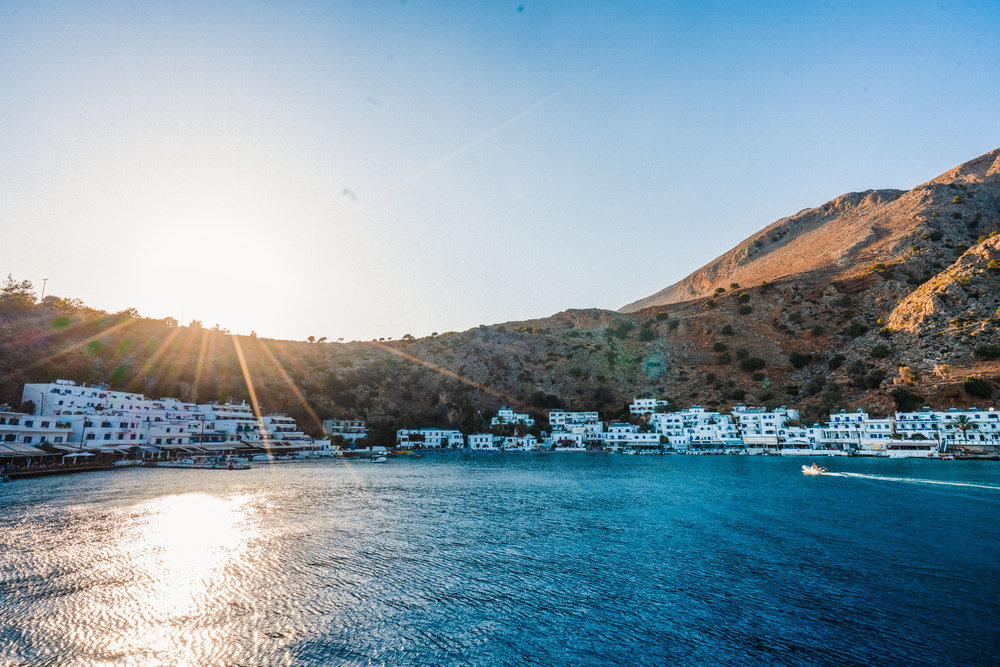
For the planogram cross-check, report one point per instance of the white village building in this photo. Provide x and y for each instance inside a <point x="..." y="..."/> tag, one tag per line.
<point x="483" y="441"/>
<point x="759" y="426"/>
<point x="696" y="427"/>
<point x="627" y="436"/>
<point x="430" y="437"/>
<point x="508" y="416"/>
<point x="351" y="430"/>
<point x="100" y="419"/>
<point x="981" y="433"/>
<point x="21" y="434"/>
<point x="643" y="406"/>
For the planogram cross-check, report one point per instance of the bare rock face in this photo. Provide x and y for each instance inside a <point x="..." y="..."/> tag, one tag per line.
<point x="847" y="235"/>
<point x="965" y="296"/>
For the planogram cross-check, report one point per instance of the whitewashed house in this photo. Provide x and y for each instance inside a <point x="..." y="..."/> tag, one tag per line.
<point x="843" y="430"/>
<point x="351" y="430"/>
<point x="560" y="419"/>
<point x="437" y="438"/>
<point x="696" y="427"/>
<point x="508" y="416"/>
<point x="759" y="426"/>
<point x="876" y="436"/>
<point x="101" y="419"/>
<point x="982" y="436"/>
<point x="568" y="440"/>
<point x="522" y="443"/>
<point x="21" y="434"/>
<point x="803" y="441"/>
<point x="627" y="436"/>
<point x="645" y="406"/>
<point x="65" y="397"/>
<point x="482" y="441"/>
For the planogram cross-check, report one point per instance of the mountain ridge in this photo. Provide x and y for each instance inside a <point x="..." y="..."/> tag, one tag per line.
<point x="832" y="239"/>
<point x="895" y="307"/>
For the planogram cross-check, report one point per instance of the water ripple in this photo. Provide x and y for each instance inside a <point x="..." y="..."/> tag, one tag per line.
<point x="498" y="560"/>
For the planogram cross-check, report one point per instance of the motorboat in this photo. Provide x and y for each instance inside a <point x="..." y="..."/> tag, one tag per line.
<point x="813" y="470"/>
<point x="379" y="459"/>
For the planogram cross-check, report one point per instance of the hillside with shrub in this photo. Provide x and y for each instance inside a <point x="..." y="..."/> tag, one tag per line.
<point x="906" y="314"/>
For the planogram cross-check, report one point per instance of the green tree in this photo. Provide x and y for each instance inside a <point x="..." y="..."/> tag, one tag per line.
<point x="964" y="424"/>
<point x="978" y="387"/>
<point x="16" y="295"/>
<point x="800" y="360"/>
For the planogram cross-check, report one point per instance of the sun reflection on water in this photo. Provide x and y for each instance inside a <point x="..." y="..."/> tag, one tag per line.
<point x="185" y="557"/>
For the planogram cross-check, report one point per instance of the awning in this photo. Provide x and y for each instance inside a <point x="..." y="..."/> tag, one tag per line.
<point x="77" y="454"/>
<point x="19" y="449"/>
<point x="115" y="448"/>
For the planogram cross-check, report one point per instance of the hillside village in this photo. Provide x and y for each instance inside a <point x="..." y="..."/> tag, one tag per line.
<point x="72" y="421"/>
<point x="884" y="301"/>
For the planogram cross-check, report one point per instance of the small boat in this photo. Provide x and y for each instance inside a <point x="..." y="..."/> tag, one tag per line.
<point x="4" y="478"/>
<point x="202" y="463"/>
<point x="813" y="470"/>
<point x="379" y="459"/>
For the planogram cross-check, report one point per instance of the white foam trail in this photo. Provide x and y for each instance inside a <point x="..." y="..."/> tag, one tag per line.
<point x="912" y="480"/>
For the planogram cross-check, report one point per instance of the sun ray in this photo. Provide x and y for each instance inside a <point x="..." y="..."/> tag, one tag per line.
<point x="291" y="361"/>
<point x="77" y="345"/>
<point x="199" y="365"/>
<point x="506" y="398"/>
<point x="291" y="385"/>
<point x="150" y="365"/>
<point x="253" y="394"/>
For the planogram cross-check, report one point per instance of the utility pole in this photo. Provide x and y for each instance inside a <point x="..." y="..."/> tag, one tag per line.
<point x="44" y="281"/>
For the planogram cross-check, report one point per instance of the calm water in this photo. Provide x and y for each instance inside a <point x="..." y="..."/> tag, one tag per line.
<point x="505" y="559"/>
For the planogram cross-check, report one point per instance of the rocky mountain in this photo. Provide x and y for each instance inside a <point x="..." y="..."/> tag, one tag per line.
<point x="876" y="300"/>
<point x="852" y="232"/>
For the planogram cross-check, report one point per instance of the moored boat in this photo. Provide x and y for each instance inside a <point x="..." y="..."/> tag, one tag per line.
<point x="202" y="463"/>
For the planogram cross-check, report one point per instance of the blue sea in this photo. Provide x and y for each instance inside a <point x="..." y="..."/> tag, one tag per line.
<point x="506" y="559"/>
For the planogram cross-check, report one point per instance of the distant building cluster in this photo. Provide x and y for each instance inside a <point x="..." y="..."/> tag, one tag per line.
<point x="751" y="430"/>
<point x="72" y="419"/>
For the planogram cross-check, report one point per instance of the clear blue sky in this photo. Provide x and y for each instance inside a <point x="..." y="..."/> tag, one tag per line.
<point x="364" y="169"/>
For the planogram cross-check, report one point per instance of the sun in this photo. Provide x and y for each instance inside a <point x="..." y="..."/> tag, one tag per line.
<point x="214" y="268"/>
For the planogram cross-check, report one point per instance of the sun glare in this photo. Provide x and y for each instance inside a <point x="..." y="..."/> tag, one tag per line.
<point x="188" y="551"/>
<point x="215" y="269"/>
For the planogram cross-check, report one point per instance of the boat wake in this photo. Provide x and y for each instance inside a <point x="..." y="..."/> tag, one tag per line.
<point x="912" y="480"/>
